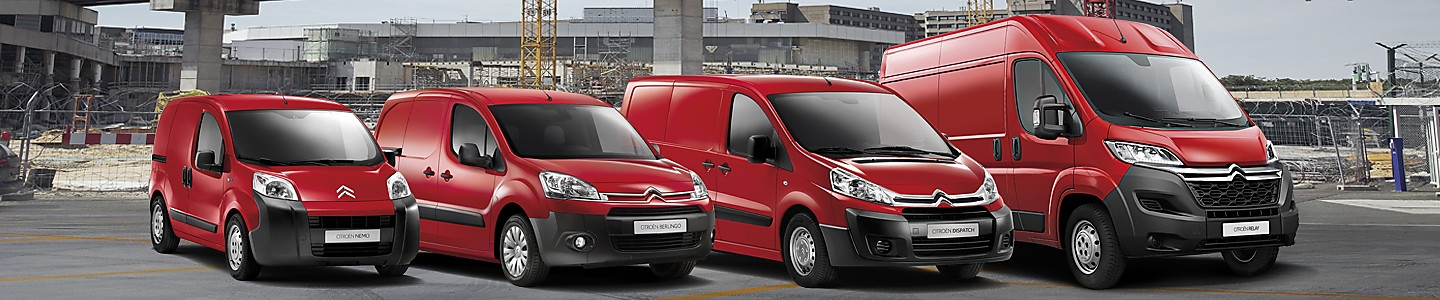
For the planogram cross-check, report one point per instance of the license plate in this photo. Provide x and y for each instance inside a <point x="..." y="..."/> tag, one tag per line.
<point x="941" y="231"/>
<point x="1245" y="228"/>
<point x="352" y="236"/>
<point x="661" y="226"/>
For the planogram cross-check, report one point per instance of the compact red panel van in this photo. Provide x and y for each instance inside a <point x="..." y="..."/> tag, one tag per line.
<point x="1111" y="140"/>
<point x="277" y="180"/>
<point x="824" y="172"/>
<point x="535" y="179"/>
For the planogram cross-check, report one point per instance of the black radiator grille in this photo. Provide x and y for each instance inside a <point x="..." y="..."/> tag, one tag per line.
<point x="653" y="212"/>
<point x="927" y="247"/>
<point x="655" y="242"/>
<point x="370" y="222"/>
<point x="350" y="249"/>
<point x="945" y="214"/>
<point x="1235" y="193"/>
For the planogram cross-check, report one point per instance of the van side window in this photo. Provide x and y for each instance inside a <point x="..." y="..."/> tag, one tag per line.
<point x="468" y="126"/>
<point x="209" y="138"/>
<point x="747" y="119"/>
<point x="1033" y="79"/>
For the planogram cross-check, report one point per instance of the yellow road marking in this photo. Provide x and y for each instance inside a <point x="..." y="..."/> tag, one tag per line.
<point x="734" y="292"/>
<point x="104" y="274"/>
<point x="52" y="237"/>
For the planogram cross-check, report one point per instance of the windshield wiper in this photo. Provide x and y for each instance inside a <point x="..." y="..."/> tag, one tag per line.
<point x="837" y="150"/>
<point x="328" y="162"/>
<point x="1132" y="115"/>
<point x="263" y="161"/>
<point x="907" y="149"/>
<point x="1216" y="121"/>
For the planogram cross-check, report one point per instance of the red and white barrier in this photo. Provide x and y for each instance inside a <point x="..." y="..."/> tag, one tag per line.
<point x="110" y="139"/>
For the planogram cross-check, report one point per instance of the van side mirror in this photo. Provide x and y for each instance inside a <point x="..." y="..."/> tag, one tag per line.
<point x="205" y="160"/>
<point x="390" y="155"/>
<point x="656" y="149"/>
<point x="760" y="149"/>
<point x="1050" y="117"/>
<point x="470" y="156"/>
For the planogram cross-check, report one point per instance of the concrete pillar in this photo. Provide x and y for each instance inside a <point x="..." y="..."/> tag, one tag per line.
<point x="200" y="68"/>
<point x="679" y="33"/>
<point x="99" y="68"/>
<point x="76" y="65"/>
<point x="49" y="67"/>
<point x="19" y="59"/>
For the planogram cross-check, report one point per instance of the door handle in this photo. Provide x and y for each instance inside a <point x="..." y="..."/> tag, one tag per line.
<point x="446" y="175"/>
<point x="725" y="168"/>
<point x="998" y="156"/>
<point x="185" y="176"/>
<point x="708" y="165"/>
<point x="1015" y="147"/>
<point x="428" y="172"/>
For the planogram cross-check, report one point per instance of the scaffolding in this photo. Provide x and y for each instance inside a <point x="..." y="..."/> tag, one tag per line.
<point x="403" y="32"/>
<point x="537" y="44"/>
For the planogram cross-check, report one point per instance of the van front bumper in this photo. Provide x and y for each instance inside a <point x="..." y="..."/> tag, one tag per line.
<point x="285" y="236"/>
<point x="1172" y="223"/>
<point x="881" y="239"/>
<point x="611" y="239"/>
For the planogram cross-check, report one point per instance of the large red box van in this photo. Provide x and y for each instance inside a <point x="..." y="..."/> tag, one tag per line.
<point x="824" y="172"/>
<point x="537" y="179"/>
<point x="1110" y="140"/>
<point x="278" y="180"/>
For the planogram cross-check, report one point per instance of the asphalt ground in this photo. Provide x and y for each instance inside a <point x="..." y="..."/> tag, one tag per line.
<point x="77" y="246"/>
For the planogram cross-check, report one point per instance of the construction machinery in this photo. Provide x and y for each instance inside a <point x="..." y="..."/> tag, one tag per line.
<point x="537" y="44"/>
<point x="979" y="12"/>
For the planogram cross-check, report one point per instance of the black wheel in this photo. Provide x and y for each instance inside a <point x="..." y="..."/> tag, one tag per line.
<point x="392" y="271"/>
<point x="674" y="270"/>
<point x="1251" y="262"/>
<point x="162" y="236"/>
<point x="965" y="271"/>
<point x="519" y="255"/>
<point x="1095" y="257"/>
<point x="804" y="253"/>
<point x="238" y="251"/>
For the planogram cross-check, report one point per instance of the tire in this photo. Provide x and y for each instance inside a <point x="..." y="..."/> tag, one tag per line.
<point x="1251" y="262"/>
<point x="392" y="271"/>
<point x="519" y="255"/>
<point x="162" y="236"/>
<point x="238" y="255"/>
<point x="965" y="271"/>
<point x="812" y="269"/>
<point x="1095" y="258"/>
<point x="675" y="270"/>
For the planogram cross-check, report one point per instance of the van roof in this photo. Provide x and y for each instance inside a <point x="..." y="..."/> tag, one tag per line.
<point x="501" y="96"/>
<point x="1079" y="34"/>
<point x="234" y="102"/>
<point x="776" y="84"/>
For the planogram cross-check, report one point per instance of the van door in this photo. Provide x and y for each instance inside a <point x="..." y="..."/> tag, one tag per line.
<point x="417" y="159"/>
<point x="746" y="192"/>
<point x="692" y="138"/>
<point x="207" y="185"/>
<point x="464" y="192"/>
<point x="1037" y="162"/>
<point x="178" y="163"/>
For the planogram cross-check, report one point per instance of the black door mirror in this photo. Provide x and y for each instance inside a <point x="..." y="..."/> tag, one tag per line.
<point x="205" y="160"/>
<point x="760" y="149"/>
<point x="1049" y="116"/>
<point x="470" y="156"/>
<point x="390" y="155"/>
<point x="656" y="148"/>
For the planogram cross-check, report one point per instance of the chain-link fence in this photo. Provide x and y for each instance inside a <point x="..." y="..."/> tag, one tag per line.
<point x="1347" y="142"/>
<point x="105" y="151"/>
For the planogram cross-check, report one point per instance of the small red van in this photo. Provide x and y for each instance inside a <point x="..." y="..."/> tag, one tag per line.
<point x="278" y="180"/>
<point x="824" y="172"/>
<point x="536" y="179"/>
<point x="1111" y="140"/>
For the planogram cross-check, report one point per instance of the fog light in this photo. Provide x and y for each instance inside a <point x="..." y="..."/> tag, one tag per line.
<point x="580" y="242"/>
<point x="883" y="247"/>
<point x="1152" y="242"/>
<point x="1007" y="240"/>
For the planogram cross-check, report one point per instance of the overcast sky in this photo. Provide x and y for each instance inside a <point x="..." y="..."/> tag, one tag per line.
<point x="1270" y="38"/>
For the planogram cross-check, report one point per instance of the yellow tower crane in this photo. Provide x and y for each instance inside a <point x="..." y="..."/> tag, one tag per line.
<point x="537" y="44"/>
<point x="979" y="12"/>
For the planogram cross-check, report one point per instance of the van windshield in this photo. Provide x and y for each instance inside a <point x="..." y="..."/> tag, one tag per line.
<point x="557" y="131"/>
<point x="289" y="137"/>
<point x="1153" y="91"/>
<point x="838" y="124"/>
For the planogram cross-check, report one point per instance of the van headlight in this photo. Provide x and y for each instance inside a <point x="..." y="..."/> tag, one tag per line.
<point x="850" y="185"/>
<point x="1270" y="156"/>
<point x="565" y="187"/>
<point x="1135" y="153"/>
<point x="397" y="186"/>
<point x="700" y="192"/>
<point x="988" y="191"/>
<point x="274" y="187"/>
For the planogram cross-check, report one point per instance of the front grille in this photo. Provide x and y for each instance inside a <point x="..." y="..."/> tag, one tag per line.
<point x="655" y="242"/>
<point x="945" y="214"/>
<point x="1239" y="242"/>
<point x="927" y="247"/>
<point x="350" y="249"/>
<point x="1248" y="213"/>
<point x="1235" y="193"/>
<point x="652" y="212"/>
<point x="370" y="222"/>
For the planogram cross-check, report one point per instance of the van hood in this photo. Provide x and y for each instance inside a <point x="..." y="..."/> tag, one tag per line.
<point x="622" y="175"/>
<point x="337" y="183"/>
<point x="1201" y="148"/>
<point x="919" y="176"/>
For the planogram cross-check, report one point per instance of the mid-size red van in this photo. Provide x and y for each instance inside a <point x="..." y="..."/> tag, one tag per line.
<point x="824" y="172"/>
<point x="278" y="180"/>
<point x="1111" y="140"/>
<point x="536" y="179"/>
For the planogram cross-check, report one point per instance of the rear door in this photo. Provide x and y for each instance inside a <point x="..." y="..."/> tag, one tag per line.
<point x="746" y="191"/>
<point x="1037" y="162"/>
<point x="465" y="192"/>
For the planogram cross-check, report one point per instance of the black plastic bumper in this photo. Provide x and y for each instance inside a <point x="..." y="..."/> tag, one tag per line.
<point x="1182" y="226"/>
<point x="613" y="242"/>
<point x="284" y="237"/>
<point x="908" y="245"/>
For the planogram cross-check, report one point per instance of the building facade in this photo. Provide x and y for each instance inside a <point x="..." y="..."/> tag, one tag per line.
<point x="872" y="17"/>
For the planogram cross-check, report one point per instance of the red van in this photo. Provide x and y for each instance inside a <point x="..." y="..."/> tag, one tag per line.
<point x="1111" y="140"/>
<point x="278" y="180"/>
<point x="823" y="172"/>
<point x="537" y="179"/>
